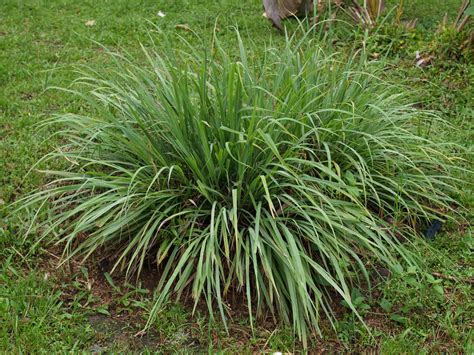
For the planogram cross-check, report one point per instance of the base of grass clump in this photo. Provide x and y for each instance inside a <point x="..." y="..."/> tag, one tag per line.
<point x="280" y="181"/>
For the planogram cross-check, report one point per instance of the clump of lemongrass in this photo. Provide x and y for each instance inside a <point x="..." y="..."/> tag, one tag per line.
<point x="280" y="180"/>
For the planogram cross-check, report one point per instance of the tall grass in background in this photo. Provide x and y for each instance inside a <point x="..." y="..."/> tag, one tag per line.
<point x="281" y="181"/>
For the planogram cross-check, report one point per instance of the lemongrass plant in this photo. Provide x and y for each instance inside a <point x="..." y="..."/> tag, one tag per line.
<point x="281" y="180"/>
<point x="367" y="12"/>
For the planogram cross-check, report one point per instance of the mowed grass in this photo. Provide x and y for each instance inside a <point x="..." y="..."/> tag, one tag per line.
<point x="40" y="41"/>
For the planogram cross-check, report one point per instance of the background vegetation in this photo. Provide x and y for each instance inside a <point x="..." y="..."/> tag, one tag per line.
<point x="81" y="307"/>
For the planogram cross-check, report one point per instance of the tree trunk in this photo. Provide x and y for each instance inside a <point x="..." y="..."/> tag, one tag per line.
<point x="276" y="10"/>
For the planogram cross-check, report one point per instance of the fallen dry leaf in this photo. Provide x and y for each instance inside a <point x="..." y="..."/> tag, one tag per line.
<point x="421" y="61"/>
<point x="183" y="27"/>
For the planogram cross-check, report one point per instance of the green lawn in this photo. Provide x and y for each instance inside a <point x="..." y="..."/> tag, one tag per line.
<point x="79" y="308"/>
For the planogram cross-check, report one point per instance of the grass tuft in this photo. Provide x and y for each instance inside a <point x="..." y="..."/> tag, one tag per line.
<point x="283" y="180"/>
